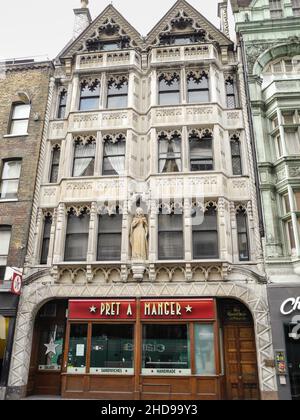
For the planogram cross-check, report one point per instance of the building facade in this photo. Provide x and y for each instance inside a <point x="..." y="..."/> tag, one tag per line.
<point x="269" y="31"/>
<point x="144" y="276"/>
<point x="23" y="94"/>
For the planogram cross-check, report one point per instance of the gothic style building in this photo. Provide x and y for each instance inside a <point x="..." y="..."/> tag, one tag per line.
<point x="269" y="33"/>
<point x="23" y="98"/>
<point x="144" y="274"/>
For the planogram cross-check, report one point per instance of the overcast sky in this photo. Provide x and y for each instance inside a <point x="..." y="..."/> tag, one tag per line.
<point x="44" y="27"/>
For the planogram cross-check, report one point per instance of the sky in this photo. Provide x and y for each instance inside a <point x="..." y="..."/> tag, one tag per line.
<point x="33" y="28"/>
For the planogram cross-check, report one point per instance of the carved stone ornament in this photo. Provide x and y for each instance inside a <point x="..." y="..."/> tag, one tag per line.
<point x="197" y="75"/>
<point x="78" y="210"/>
<point x="200" y="133"/>
<point x="169" y="77"/>
<point x="84" y="139"/>
<point x="169" y="134"/>
<point x="114" y="138"/>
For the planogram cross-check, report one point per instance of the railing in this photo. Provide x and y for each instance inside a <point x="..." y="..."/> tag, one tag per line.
<point x="108" y="59"/>
<point x="183" y="53"/>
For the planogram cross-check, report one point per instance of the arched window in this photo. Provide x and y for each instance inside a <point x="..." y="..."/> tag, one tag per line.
<point x="242" y="231"/>
<point x="55" y="164"/>
<point x="169" y="89"/>
<point x="169" y="159"/>
<point x="114" y="154"/>
<point x="201" y="150"/>
<point x="198" y="86"/>
<point x="236" y="155"/>
<point x="89" y="95"/>
<point x="205" y="233"/>
<point x="62" y="104"/>
<point x="46" y="238"/>
<point x="84" y="156"/>
<point x="231" y="96"/>
<point x="19" y="119"/>
<point x="77" y="235"/>
<point x="117" y="94"/>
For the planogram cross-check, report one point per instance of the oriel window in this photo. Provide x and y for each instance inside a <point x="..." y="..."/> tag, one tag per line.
<point x="114" y="155"/>
<point x="236" y="155"/>
<point x="62" y="104"/>
<point x="109" y="237"/>
<point x="198" y="87"/>
<point x="46" y="239"/>
<point x="77" y="235"/>
<point x="169" y="152"/>
<point x="84" y="156"/>
<point x="55" y="164"/>
<point x="117" y="94"/>
<point x="205" y="232"/>
<point x="89" y="95"/>
<point x="170" y="235"/>
<point x="242" y="231"/>
<point x="201" y="150"/>
<point x="19" y="119"/>
<point x="169" y="89"/>
<point x="10" y="179"/>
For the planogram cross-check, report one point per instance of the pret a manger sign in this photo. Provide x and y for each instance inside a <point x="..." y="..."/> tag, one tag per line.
<point x="165" y="309"/>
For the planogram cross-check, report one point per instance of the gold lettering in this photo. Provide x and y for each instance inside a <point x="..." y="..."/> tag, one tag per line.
<point x="178" y="309"/>
<point x="129" y="310"/>
<point x="147" y="309"/>
<point x="160" y="309"/>
<point x="167" y="311"/>
<point x="118" y="308"/>
<point x="153" y="312"/>
<point x="102" y="308"/>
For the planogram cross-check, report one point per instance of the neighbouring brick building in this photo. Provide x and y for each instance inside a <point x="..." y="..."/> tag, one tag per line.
<point x="23" y="101"/>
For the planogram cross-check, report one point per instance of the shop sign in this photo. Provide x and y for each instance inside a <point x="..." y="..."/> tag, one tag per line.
<point x="111" y="371"/>
<point x="164" y="309"/>
<point x="166" y="372"/>
<point x="280" y="359"/>
<point x="290" y="305"/>
<point x="16" y="283"/>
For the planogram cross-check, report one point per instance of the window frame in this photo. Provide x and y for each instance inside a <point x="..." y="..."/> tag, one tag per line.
<point x="110" y="138"/>
<point x="202" y="136"/>
<point x="2" y="180"/>
<point x="275" y="9"/>
<point x="90" y="84"/>
<point x="45" y="242"/>
<point x="161" y="92"/>
<point x="4" y="257"/>
<point x="176" y="136"/>
<point x="209" y="207"/>
<point x="54" y="165"/>
<point x="84" y="143"/>
<point x="12" y="119"/>
<point x="176" y="231"/>
<point x="192" y="75"/>
<point x="62" y="97"/>
<point x="113" y="80"/>
<point x="232" y="81"/>
<point x="100" y="234"/>
<point x="71" y="213"/>
<point x="241" y="212"/>
<point x="236" y="141"/>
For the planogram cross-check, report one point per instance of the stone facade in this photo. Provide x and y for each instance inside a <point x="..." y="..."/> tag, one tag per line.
<point x="272" y="49"/>
<point x="20" y="82"/>
<point x="143" y="64"/>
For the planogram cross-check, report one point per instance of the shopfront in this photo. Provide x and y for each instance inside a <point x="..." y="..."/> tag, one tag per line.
<point x="285" y="320"/>
<point x="146" y="349"/>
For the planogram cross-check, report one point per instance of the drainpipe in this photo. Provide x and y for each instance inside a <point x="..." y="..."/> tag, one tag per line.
<point x="252" y="137"/>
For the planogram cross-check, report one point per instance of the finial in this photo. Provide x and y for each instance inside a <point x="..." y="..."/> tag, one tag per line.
<point x="84" y="4"/>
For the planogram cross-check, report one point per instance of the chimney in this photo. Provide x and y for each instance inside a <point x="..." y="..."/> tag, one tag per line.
<point x="82" y="18"/>
<point x="223" y="15"/>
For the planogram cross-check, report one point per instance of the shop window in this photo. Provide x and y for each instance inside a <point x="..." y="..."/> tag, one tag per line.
<point x="109" y="237"/>
<point x="170" y="236"/>
<point x="4" y="327"/>
<point x="117" y="95"/>
<point x="230" y="88"/>
<point x="62" y="104"/>
<point x="201" y="150"/>
<point x="205" y="349"/>
<point x="77" y="348"/>
<point x="198" y="87"/>
<point x="84" y="157"/>
<point x="236" y="158"/>
<point x="50" y="352"/>
<point x="19" y="119"/>
<point x="55" y="164"/>
<point x="114" y="155"/>
<point x="169" y="89"/>
<point x="242" y="231"/>
<point x="166" y="349"/>
<point x="77" y="235"/>
<point x="10" y="179"/>
<point x="169" y="152"/>
<point x="5" y="235"/>
<point x="276" y="11"/>
<point x="205" y="234"/>
<point x="112" y="349"/>
<point x="89" y="95"/>
<point x="46" y="239"/>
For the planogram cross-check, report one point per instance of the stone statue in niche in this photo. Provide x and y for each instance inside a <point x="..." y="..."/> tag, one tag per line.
<point x="139" y="236"/>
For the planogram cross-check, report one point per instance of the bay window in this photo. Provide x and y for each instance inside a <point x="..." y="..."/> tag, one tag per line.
<point x="205" y="234"/>
<point x="77" y="235"/>
<point x="201" y="150"/>
<point x="89" y="95"/>
<point x="114" y="155"/>
<point x="109" y="237"/>
<point x="10" y="179"/>
<point x="84" y="156"/>
<point x="170" y="236"/>
<point x="169" y="152"/>
<point x="19" y="119"/>
<point x="169" y="89"/>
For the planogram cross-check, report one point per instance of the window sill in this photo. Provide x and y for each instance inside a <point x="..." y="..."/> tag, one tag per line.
<point x="8" y="136"/>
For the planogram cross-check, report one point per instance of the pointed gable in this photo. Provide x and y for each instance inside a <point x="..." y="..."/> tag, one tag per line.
<point x="111" y="26"/>
<point x="181" y="19"/>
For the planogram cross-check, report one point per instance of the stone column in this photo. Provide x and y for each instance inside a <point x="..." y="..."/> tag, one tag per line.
<point x="185" y="150"/>
<point x="58" y="254"/>
<point x="75" y="93"/>
<point x="153" y="241"/>
<point x="234" y="235"/>
<point x="224" y="234"/>
<point x="187" y="230"/>
<point x="93" y="230"/>
<point x="52" y="237"/>
<point x="38" y="234"/>
<point x="154" y="88"/>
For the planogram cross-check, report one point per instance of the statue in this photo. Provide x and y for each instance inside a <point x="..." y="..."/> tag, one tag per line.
<point x="139" y="235"/>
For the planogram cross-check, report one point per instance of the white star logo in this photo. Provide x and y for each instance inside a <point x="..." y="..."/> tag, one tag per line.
<point x="188" y="309"/>
<point x="51" y="347"/>
<point x="93" y="309"/>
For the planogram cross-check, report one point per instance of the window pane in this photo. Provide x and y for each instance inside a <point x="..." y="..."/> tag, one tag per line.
<point x="243" y="246"/>
<point x="87" y="104"/>
<point x="117" y="102"/>
<point x="21" y="112"/>
<point x="172" y="85"/>
<point x="109" y="238"/>
<point x="297" y="197"/>
<point x="170" y="222"/>
<point x="76" y="247"/>
<point x="11" y="170"/>
<point x="19" y="127"/>
<point x="236" y="166"/>
<point x="112" y="349"/>
<point x="205" y="350"/>
<point x="78" y="224"/>
<point x="61" y="112"/>
<point x="9" y="190"/>
<point x="4" y="241"/>
<point x="77" y="349"/>
<point x="169" y="98"/>
<point x="198" y="96"/>
<point x="231" y="102"/>
<point x="170" y="245"/>
<point x="83" y="167"/>
<point x="205" y="245"/>
<point x="53" y="334"/>
<point x="46" y="240"/>
<point x="54" y="174"/>
<point x="166" y="349"/>
<point x="92" y="90"/>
